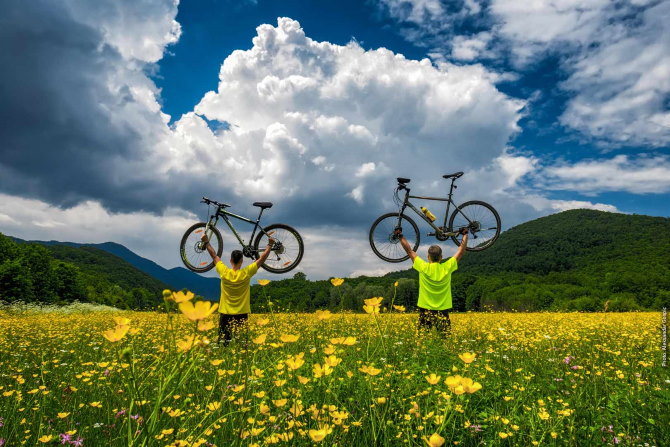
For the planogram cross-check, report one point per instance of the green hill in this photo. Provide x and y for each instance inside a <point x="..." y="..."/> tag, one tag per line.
<point x="574" y="260"/>
<point x="55" y="273"/>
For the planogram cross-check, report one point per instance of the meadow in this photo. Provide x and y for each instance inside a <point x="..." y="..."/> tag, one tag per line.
<point x="338" y="379"/>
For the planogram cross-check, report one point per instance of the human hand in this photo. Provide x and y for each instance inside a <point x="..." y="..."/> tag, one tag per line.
<point x="271" y="242"/>
<point x="464" y="231"/>
<point x="204" y="238"/>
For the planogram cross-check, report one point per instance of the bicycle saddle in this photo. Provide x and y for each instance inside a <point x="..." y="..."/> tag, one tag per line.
<point x="403" y="180"/>
<point x="263" y="205"/>
<point x="455" y="175"/>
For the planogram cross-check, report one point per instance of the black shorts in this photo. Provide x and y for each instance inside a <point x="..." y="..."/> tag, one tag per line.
<point x="438" y="319"/>
<point x="231" y="323"/>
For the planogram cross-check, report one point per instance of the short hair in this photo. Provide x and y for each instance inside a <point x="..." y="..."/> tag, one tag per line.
<point x="236" y="256"/>
<point x="434" y="253"/>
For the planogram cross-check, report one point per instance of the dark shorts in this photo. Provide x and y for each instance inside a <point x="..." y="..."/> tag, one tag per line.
<point x="230" y="325"/>
<point x="438" y="319"/>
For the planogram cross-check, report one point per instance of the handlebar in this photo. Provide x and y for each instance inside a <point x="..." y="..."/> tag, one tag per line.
<point x="214" y="202"/>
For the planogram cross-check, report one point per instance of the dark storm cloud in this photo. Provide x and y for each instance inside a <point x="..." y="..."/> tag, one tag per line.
<point x="61" y="92"/>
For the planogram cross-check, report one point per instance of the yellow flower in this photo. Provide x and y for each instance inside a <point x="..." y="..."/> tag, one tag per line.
<point x="116" y="334"/>
<point x="264" y="409"/>
<point x="371" y="309"/>
<point x="337" y="282"/>
<point x="63" y="415"/>
<point x="469" y="386"/>
<point x="187" y="343"/>
<point x="332" y="360"/>
<point x="435" y="440"/>
<point x="543" y="415"/>
<point x="467" y="357"/>
<point x="168" y="431"/>
<point x="323" y="314"/>
<point x="320" y="371"/>
<point x="371" y="370"/>
<point x="289" y="338"/>
<point x="279" y="402"/>
<point x="262" y="321"/>
<point x="318" y="435"/>
<point x="263" y="282"/>
<point x="295" y="362"/>
<point x="502" y="434"/>
<point x="96" y="404"/>
<point x="395" y="284"/>
<point x="214" y="406"/>
<point x="381" y="400"/>
<point x="433" y="379"/>
<point x="328" y="350"/>
<point x="374" y="301"/>
<point x="46" y="438"/>
<point x="198" y="311"/>
<point x="216" y="362"/>
<point x="260" y="339"/>
<point x="206" y="325"/>
<point x="399" y="308"/>
<point x="343" y="341"/>
<point x="180" y="297"/>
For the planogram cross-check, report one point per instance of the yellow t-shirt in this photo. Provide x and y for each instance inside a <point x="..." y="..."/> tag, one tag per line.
<point x="435" y="283"/>
<point x="235" y="289"/>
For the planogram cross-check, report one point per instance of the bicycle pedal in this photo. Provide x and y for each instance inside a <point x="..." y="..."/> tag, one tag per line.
<point x="431" y="234"/>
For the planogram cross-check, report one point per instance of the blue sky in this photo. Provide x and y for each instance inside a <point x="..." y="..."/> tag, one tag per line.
<point x="119" y="116"/>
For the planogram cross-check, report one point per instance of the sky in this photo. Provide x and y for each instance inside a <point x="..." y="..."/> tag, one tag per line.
<point x="117" y="116"/>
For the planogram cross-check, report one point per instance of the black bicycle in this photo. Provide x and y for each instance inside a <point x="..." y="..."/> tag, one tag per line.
<point x="287" y="249"/>
<point x="480" y="218"/>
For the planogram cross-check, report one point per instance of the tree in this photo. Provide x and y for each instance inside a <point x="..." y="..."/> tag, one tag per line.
<point x="300" y="276"/>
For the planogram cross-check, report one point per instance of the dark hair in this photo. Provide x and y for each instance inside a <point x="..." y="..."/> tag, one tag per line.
<point x="236" y="256"/>
<point x="434" y="253"/>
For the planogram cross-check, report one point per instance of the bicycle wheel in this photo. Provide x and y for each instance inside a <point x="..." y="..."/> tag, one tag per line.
<point x="481" y="219"/>
<point x="288" y="250"/>
<point x="385" y="244"/>
<point x="193" y="251"/>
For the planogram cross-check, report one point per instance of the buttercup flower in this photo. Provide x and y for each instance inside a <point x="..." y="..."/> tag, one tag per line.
<point x="180" y="297"/>
<point x="197" y="311"/>
<point x="337" y="282"/>
<point x="263" y="282"/>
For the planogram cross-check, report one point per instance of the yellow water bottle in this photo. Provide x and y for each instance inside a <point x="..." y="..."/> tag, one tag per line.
<point x="428" y="214"/>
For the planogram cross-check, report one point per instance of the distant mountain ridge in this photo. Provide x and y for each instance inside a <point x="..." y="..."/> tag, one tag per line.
<point x="177" y="278"/>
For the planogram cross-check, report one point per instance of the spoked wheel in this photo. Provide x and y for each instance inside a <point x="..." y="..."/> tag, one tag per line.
<point x="482" y="221"/>
<point x="193" y="251"/>
<point x="384" y="241"/>
<point x="288" y="249"/>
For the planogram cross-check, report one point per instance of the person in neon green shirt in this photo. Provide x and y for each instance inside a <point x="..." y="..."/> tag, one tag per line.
<point x="235" y="300"/>
<point x="435" y="284"/>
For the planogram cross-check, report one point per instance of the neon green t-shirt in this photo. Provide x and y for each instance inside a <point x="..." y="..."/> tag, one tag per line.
<point x="435" y="283"/>
<point x="235" y="289"/>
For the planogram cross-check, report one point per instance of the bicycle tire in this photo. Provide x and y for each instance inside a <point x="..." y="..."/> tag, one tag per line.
<point x="290" y="251"/>
<point x="192" y="253"/>
<point x="386" y="234"/>
<point x="476" y="217"/>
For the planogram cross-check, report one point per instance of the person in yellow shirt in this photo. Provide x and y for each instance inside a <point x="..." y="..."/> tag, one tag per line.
<point x="235" y="301"/>
<point x="435" y="284"/>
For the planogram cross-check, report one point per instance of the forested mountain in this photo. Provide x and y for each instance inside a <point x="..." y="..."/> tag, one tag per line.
<point x="54" y="274"/>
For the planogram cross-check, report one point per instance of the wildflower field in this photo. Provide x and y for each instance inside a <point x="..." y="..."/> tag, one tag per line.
<point x="150" y="378"/>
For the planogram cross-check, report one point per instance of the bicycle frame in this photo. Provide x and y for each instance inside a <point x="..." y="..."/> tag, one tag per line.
<point x="449" y="200"/>
<point x="221" y="212"/>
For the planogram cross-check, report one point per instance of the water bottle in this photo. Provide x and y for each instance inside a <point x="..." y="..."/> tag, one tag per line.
<point x="428" y="214"/>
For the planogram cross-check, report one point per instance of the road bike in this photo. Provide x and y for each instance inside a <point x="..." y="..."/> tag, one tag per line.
<point x="479" y="218"/>
<point x="286" y="253"/>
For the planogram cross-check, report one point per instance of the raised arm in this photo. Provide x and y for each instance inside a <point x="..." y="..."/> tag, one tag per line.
<point x="266" y="253"/>
<point x="407" y="248"/>
<point x="210" y="249"/>
<point x="464" y="243"/>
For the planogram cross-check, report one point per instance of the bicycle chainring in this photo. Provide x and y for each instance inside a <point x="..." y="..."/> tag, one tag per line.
<point x="249" y="252"/>
<point x="440" y="235"/>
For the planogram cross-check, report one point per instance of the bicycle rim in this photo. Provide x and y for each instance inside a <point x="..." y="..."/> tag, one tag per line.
<point x="482" y="221"/>
<point x="383" y="242"/>
<point x="290" y="252"/>
<point x="193" y="252"/>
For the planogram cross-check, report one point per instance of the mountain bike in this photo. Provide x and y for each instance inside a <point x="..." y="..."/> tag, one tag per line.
<point x="286" y="253"/>
<point x="479" y="218"/>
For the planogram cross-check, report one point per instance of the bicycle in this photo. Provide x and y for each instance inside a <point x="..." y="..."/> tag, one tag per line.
<point x="480" y="218"/>
<point x="286" y="252"/>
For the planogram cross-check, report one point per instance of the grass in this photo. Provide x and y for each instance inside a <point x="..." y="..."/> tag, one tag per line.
<point x="546" y="379"/>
